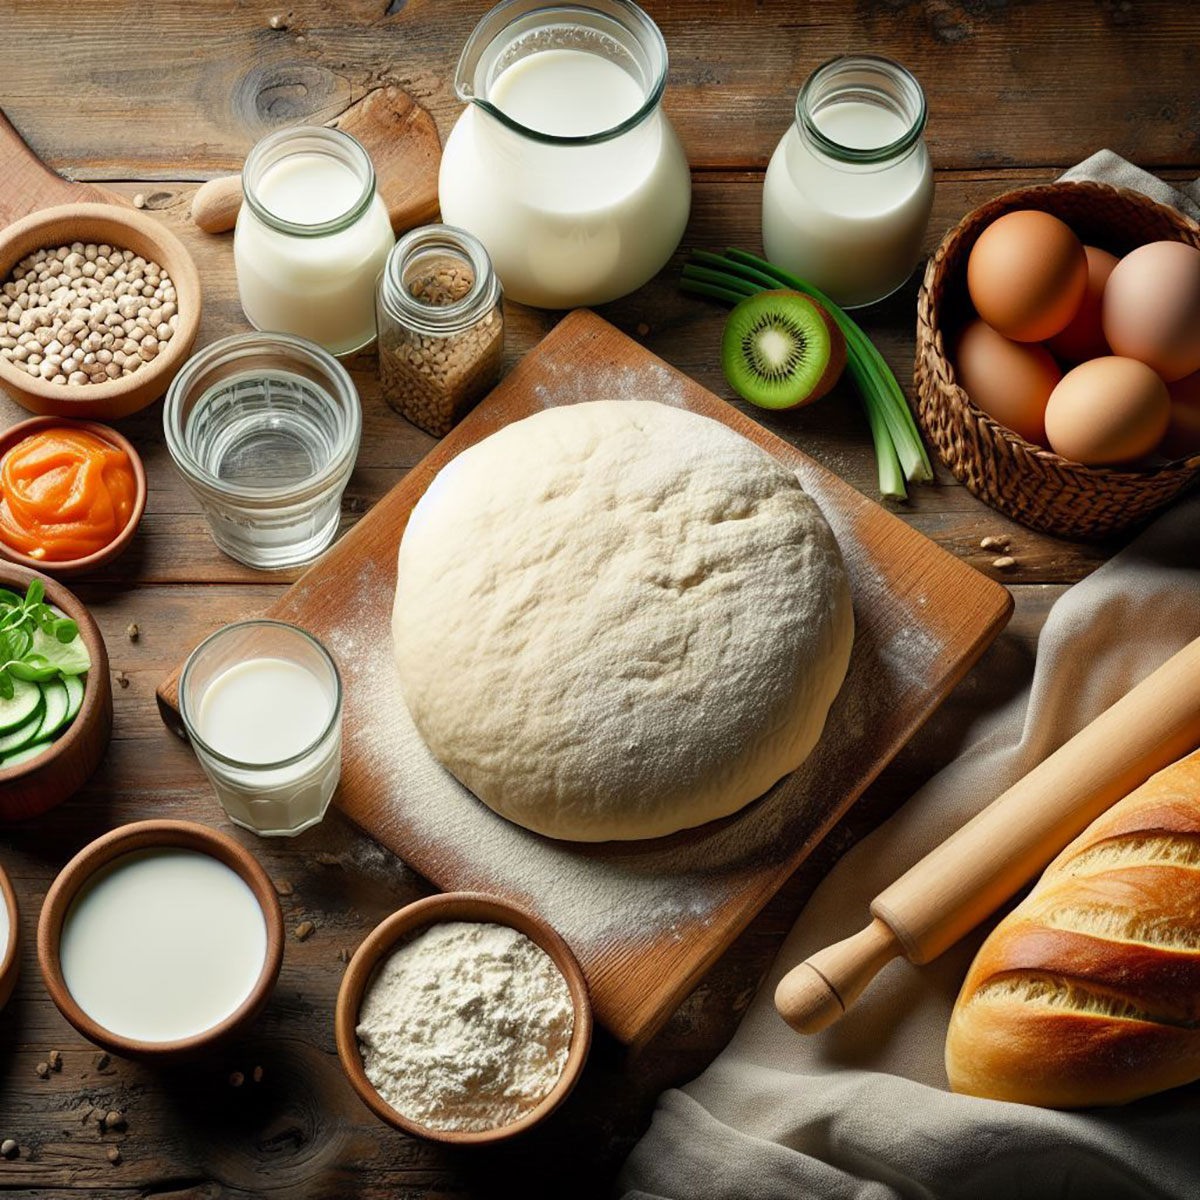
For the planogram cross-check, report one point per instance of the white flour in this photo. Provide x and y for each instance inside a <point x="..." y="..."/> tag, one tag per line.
<point x="466" y="1027"/>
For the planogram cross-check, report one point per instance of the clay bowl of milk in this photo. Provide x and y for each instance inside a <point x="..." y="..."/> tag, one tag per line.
<point x="160" y="938"/>
<point x="463" y="1019"/>
<point x="9" y="917"/>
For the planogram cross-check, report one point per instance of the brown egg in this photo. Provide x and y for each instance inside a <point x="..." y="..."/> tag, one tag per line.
<point x="1152" y="308"/>
<point x="1107" y="411"/>
<point x="1010" y="381"/>
<point x="1027" y="275"/>
<point x="1083" y="338"/>
<point x="1183" y="427"/>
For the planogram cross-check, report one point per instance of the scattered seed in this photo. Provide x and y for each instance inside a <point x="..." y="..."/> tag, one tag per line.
<point x="326" y="859"/>
<point x="1004" y="563"/>
<point x="55" y="1060"/>
<point x="283" y="887"/>
<point x="102" y="1060"/>
<point x="114" y="1155"/>
<point x="345" y="954"/>
<point x="236" y="1079"/>
<point x="139" y="201"/>
<point x="9" y="1148"/>
<point x="994" y="543"/>
<point x="305" y="930"/>
<point x="132" y="632"/>
<point x="113" y="1120"/>
<point x="278" y="21"/>
<point x="643" y="329"/>
<point x="42" y="1070"/>
<point x="87" y="1115"/>
<point x="257" y="1074"/>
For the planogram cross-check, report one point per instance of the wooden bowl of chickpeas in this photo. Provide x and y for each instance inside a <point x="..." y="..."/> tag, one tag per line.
<point x="99" y="308"/>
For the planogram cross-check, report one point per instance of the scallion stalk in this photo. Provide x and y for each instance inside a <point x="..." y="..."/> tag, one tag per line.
<point x="899" y="451"/>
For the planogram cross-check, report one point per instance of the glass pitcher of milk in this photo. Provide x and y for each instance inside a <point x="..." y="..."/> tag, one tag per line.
<point x="849" y="189"/>
<point x="563" y="164"/>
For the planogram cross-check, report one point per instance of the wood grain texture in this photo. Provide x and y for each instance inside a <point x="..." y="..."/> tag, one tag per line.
<point x="922" y="620"/>
<point x="142" y="97"/>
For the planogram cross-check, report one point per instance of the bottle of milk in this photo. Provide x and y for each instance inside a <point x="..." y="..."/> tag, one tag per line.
<point x="849" y="188"/>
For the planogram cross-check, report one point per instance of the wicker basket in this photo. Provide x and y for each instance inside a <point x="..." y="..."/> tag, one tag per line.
<point x="1025" y="481"/>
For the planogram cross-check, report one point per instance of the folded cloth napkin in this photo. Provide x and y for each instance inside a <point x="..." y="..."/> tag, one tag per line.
<point x="862" y="1109"/>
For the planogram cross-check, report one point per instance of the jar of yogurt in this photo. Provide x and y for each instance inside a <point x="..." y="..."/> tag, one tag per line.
<point x="312" y="236"/>
<point x="849" y="189"/>
<point x="563" y="164"/>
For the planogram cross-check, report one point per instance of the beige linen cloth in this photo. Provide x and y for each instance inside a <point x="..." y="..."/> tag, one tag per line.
<point x="862" y="1110"/>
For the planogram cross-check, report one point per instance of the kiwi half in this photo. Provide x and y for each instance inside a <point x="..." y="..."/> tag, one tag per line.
<point x="782" y="350"/>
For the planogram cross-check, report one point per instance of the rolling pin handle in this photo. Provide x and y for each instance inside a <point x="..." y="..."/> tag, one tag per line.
<point x="215" y="204"/>
<point x="815" y="994"/>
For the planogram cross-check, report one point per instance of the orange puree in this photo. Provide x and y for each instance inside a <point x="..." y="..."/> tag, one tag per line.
<point x="64" y="494"/>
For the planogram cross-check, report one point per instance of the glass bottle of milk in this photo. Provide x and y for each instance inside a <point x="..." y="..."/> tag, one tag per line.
<point x="849" y="188"/>
<point x="563" y="164"/>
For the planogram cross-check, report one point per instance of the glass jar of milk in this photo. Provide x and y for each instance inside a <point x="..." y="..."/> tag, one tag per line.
<point x="312" y="236"/>
<point x="261" y="703"/>
<point x="849" y="189"/>
<point x="563" y="164"/>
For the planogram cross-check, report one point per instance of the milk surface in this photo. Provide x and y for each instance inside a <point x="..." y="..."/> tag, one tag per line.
<point x="309" y="189"/>
<point x="854" y="230"/>
<point x="162" y="945"/>
<point x="264" y="710"/>
<point x="567" y="225"/>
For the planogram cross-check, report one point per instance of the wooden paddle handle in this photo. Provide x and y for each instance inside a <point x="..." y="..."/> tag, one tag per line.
<point x="966" y="878"/>
<point x="215" y="204"/>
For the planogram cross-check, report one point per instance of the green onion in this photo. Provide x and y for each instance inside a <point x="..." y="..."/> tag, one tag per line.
<point x="899" y="451"/>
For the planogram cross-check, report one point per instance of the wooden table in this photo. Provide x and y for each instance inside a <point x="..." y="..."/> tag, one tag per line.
<point x="151" y="99"/>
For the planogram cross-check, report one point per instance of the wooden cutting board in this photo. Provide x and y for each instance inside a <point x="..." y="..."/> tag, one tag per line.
<point x="28" y="185"/>
<point x="647" y="919"/>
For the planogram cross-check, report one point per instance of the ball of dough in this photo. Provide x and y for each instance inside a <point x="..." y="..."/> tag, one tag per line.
<point x="619" y="619"/>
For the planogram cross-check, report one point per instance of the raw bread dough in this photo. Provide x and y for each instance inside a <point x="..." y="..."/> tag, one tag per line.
<point x="619" y="619"/>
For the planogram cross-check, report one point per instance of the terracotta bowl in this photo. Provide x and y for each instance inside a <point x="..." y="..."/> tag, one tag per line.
<point x="127" y="229"/>
<point x="89" y="562"/>
<point x="10" y="961"/>
<point x="35" y="787"/>
<point x="150" y="835"/>
<point x="385" y="937"/>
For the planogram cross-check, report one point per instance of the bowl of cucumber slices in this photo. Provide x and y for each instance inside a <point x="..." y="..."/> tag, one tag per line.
<point x="55" y="694"/>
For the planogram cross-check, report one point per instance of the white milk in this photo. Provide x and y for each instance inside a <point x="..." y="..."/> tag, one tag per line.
<point x="567" y="225"/>
<point x="163" y="944"/>
<point x="264" y="711"/>
<point x="854" y="230"/>
<point x="321" y="287"/>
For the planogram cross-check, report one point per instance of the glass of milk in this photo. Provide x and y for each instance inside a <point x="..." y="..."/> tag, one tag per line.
<point x="849" y="189"/>
<point x="262" y="705"/>
<point x="563" y="164"/>
<point x="311" y="237"/>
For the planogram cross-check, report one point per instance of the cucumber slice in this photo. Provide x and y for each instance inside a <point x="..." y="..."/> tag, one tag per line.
<point x="75" y="688"/>
<point x="15" y="739"/>
<point x="20" y="706"/>
<point x="54" y="693"/>
<point x="24" y="754"/>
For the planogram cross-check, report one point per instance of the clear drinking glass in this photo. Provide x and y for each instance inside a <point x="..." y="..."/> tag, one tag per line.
<point x="849" y="189"/>
<point x="265" y="429"/>
<point x="274" y="799"/>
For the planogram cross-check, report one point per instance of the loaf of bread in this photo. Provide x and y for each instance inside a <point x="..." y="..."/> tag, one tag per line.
<point x="1088" y="993"/>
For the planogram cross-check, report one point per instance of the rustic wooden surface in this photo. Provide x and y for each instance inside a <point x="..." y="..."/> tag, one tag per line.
<point x="151" y="99"/>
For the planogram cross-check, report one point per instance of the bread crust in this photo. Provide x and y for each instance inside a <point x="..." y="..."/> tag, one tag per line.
<point x="1088" y="992"/>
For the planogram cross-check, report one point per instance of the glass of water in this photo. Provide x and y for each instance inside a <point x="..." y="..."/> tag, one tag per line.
<point x="265" y="429"/>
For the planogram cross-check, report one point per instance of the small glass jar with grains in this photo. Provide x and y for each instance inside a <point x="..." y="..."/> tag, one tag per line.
<point x="441" y="329"/>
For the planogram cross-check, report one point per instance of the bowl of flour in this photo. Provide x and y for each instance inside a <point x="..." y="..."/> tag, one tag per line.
<point x="463" y="1019"/>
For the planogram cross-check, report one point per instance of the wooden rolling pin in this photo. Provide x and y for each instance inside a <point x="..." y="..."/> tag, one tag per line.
<point x="958" y="884"/>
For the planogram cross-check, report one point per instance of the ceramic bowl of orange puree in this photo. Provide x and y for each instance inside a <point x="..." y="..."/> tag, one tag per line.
<point x="71" y="494"/>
